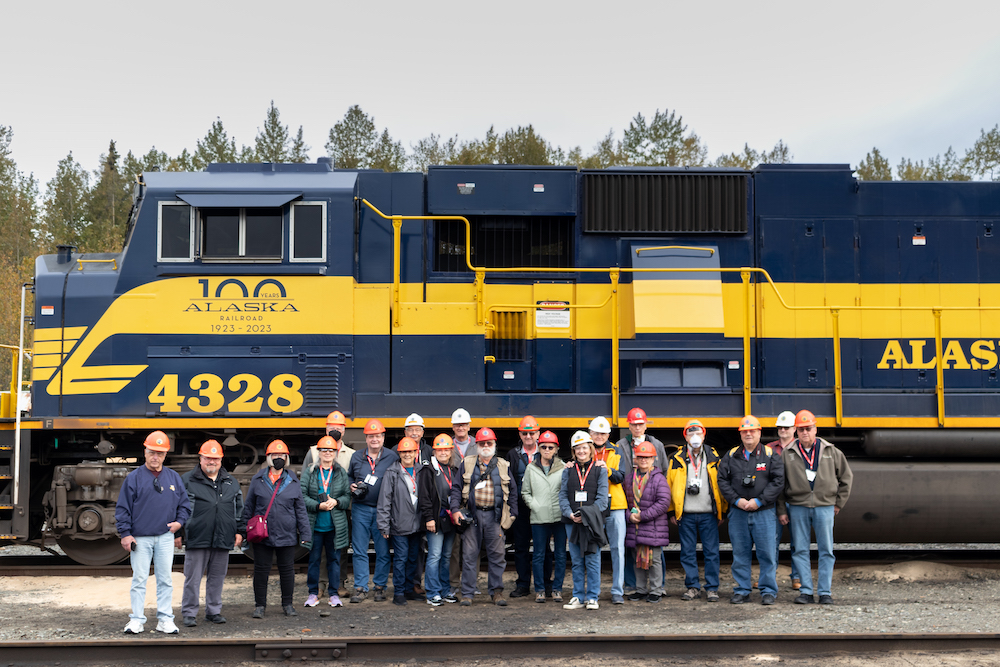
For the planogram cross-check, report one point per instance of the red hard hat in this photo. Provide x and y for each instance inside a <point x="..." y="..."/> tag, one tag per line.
<point x="157" y="441"/>
<point x="374" y="426"/>
<point x="805" y="418"/>
<point x="336" y="418"/>
<point x="548" y="436"/>
<point x="644" y="448"/>
<point x="443" y="441"/>
<point x="407" y="445"/>
<point x="636" y="416"/>
<point x="485" y="434"/>
<point x="277" y="447"/>
<point x="326" y="442"/>
<point x="528" y="423"/>
<point x="211" y="449"/>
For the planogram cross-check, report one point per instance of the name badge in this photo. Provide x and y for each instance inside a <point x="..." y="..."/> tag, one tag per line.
<point x="413" y="499"/>
<point x="581" y="497"/>
<point x="370" y="480"/>
<point x="811" y="475"/>
<point x="481" y="484"/>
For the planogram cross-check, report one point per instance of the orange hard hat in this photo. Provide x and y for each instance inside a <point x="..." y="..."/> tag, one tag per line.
<point x="548" y="436"/>
<point x="750" y="423"/>
<point x="374" y="426"/>
<point x="485" y="434"/>
<point x="636" y="416"/>
<point x="443" y="441"/>
<point x="157" y="441"/>
<point x="407" y="445"/>
<point x="277" y="447"/>
<point x="211" y="449"/>
<point x="694" y="423"/>
<point x="644" y="448"/>
<point x="528" y="423"/>
<point x="805" y="418"/>
<point x="326" y="442"/>
<point x="336" y="418"/>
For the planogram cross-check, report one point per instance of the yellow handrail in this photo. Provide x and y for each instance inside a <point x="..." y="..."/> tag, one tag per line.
<point x="114" y="263"/>
<point x="614" y="274"/>
<point x="710" y="251"/>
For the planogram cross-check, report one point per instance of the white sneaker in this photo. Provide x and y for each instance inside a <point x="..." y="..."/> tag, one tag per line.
<point x="574" y="603"/>
<point x="167" y="627"/>
<point x="134" y="627"/>
<point x="592" y="604"/>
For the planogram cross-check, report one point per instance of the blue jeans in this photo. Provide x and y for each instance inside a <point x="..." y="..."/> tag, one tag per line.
<point x="706" y="527"/>
<point x="778" y="530"/>
<point x="540" y="534"/>
<point x="404" y="563"/>
<point x="614" y="526"/>
<point x="586" y="570"/>
<point x="321" y="541"/>
<point x="158" y="550"/>
<point x="747" y="530"/>
<point x="439" y="546"/>
<point x="364" y="529"/>
<point x="820" y="520"/>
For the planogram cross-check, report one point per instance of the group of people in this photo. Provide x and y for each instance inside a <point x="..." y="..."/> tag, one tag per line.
<point x="457" y="491"/>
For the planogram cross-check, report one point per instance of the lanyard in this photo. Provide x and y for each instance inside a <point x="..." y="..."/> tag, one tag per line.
<point x="325" y="479"/>
<point x="696" y="463"/>
<point x="373" y="462"/>
<point x="413" y="477"/>
<point x="447" y="475"/>
<point x="810" y="460"/>
<point x="583" y="478"/>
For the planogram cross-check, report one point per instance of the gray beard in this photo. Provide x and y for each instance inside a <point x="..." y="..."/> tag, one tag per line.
<point x="487" y="452"/>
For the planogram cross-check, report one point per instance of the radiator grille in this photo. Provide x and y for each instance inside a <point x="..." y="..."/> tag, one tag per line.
<point x="665" y="203"/>
<point x="509" y="339"/>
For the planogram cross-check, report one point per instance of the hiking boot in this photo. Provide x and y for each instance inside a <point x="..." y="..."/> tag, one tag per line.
<point x="289" y="610"/>
<point x="796" y="584"/>
<point x="767" y="599"/>
<point x="379" y="594"/>
<point x="738" y="598"/>
<point x="520" y="592"/>
<point x="215" y="618"/>
<point x="258" y="612"/>
<point x="804" y="599"/>
<point x="712" y="596"/>
<point x="359" y="595"/>
<point x="498" y="599"/>
<point x="189" y="621"/>
<point x="399" y="599"/>
<point x="826" y="599"/>
<point x="466" y="602"/>
<point x="312" y="600"/>
<point x="691" y="594"/>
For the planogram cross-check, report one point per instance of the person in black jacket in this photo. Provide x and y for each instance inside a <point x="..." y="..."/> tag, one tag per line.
<point x="213" y="530"/>
<point x="434" y="493"/>
<point x="287" y="526"/>
<point x="751" y="477"/>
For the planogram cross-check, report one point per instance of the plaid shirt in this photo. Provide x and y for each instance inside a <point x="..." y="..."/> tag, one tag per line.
<point x="484" y="489"/>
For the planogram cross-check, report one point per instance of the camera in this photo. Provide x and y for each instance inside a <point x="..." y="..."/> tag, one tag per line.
<point x="694" y="489"/>
<point x="463" y="524"/>
<point x="748" y="480"/>
<point x="323" y="498"/>
<point x="360" y="491"/>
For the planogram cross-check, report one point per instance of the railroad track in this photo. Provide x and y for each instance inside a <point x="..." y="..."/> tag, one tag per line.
<point x="55" y="566"/>
<point x="201" y="651"/>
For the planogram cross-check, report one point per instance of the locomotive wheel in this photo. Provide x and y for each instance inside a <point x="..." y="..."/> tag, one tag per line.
<point x="93" y="552"/>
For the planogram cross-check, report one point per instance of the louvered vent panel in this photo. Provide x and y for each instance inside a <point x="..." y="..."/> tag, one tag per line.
<point x="508" y="342"/>
<point x="322" y="388"/>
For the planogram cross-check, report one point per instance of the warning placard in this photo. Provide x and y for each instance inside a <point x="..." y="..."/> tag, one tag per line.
<point x="552" y="315"/>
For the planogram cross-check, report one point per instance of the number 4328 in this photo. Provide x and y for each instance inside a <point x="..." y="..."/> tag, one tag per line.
<point x="284" y="393"/>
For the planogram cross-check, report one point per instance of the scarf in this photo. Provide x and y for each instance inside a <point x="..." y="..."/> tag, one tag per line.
<point x="643" y="552"/>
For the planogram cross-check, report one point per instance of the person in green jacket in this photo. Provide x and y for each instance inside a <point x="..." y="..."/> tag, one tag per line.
<point x="326" y="491"/>
<point x="540" y="493"/>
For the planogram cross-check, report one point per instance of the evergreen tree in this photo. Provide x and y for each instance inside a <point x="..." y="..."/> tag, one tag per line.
<point x="352" y="141"/>
<point x="216" y="146"/>
<point x="273" y="142"/>
<point x="523" y="146"/>
<point x="430" y="151"/>
<point x="662" y="142"/>
<point x="983" y="159"/>
<point x="107" y="207"/>
<point x="299" y="151"/>
<point x="874" y="167"/>
<point x="750" y="158"/>
<point x="479" y="152"/>
<point x="387" y="155"/>
<point x="64" y="220"/>
<point x="607" y="153"/>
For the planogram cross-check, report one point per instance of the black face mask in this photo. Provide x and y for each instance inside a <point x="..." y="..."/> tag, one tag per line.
<point x="278" y="463"/>
<point x="335" y="434"/>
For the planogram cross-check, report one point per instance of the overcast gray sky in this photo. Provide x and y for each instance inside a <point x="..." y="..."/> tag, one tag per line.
<point x="831" y="79"/>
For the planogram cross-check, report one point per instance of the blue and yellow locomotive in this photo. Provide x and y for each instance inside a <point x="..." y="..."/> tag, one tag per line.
<point x="251" y="300"/>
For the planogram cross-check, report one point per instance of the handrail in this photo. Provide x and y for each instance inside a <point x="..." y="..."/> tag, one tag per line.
<point x="113" y="260"/>
<point x="710" y="251"/>
<point x="614" y="276"/>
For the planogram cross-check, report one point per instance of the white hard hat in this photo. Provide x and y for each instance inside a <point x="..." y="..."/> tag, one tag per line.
<point x="580" y="438"/>
<point x="414" y="420"/>
<point x="461" y="416"/>
<point x="786" y="418"/>
<point x="600" y="425"/>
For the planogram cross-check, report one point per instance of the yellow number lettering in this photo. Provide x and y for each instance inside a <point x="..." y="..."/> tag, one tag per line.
<point x="208" y="387"/>
<point x="248" y="400"/>
<point x="285" y="394"/>
<point x="165" y="394"/>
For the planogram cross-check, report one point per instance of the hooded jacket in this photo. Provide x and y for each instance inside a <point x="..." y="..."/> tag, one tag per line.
<point x="625" y="447"/>
<point x="654" y="528"/>
<point x="541" y="491"/>
<point x="398" y="513"/>
<point x="216" y="510"/>
<point x="339" y="490"/>
<point x="287" y="522"/>
<point x="677" y="481"/>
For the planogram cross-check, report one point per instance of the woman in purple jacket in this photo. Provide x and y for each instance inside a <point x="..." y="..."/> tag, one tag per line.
<point x="648" y="527"/>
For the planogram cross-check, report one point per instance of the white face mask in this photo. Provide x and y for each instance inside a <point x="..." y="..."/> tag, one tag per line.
<point x="695" y="441"/>
<point x="487" y="452"/>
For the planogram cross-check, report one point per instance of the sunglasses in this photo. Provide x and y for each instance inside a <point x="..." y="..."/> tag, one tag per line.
<point x="547" y="447"/>
<point x="156" y="485"/>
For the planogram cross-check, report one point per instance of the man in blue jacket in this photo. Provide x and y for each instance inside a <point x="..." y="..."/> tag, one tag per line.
<point x="152" y="506"/>
<point x="212" y="532"/>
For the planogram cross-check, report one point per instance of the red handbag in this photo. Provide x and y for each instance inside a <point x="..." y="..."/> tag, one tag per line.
<point x="257" y="525"/>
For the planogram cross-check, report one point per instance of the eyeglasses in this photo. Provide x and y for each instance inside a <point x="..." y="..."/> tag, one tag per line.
<point x="323" y="450"/>
<point x="785" y="428"/>
<point x="547" y="447"/>
<point x="156" y="485"/>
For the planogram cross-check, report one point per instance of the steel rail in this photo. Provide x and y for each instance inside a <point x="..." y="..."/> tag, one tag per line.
<point x="201" y="651"/>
